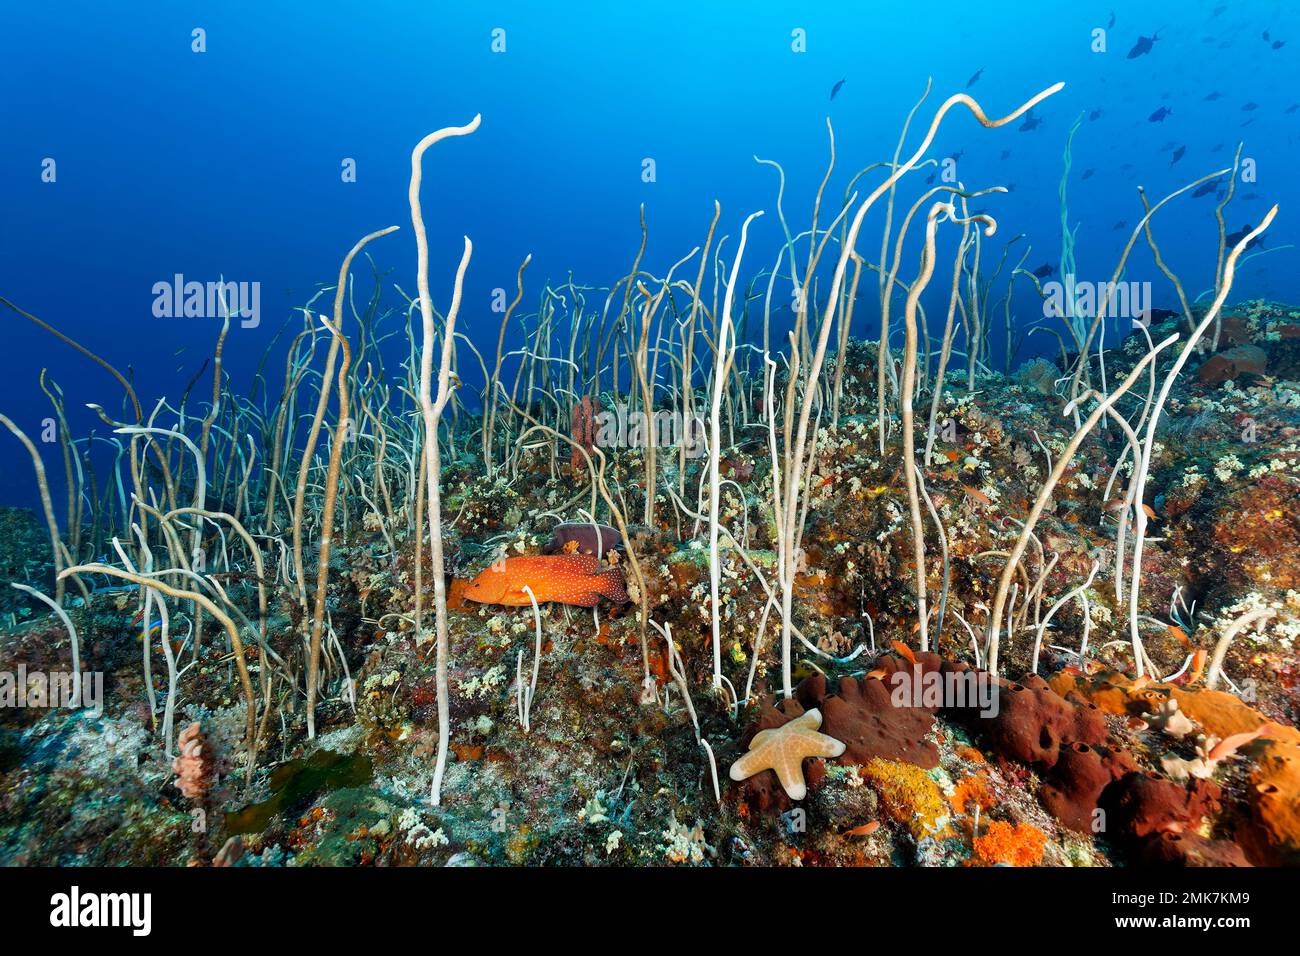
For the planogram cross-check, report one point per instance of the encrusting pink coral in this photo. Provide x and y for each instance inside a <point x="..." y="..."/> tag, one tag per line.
<point x="193" y="766"/>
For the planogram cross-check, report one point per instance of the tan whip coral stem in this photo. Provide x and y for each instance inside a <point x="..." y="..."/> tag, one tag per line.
<point x="431" y="409"/>
<point x="47" y="505"/>
<point x="1045" y="494"/>
<point x="332" y="479"/>
<point x="1144" y="463"/>
<point x="722" y="366"/>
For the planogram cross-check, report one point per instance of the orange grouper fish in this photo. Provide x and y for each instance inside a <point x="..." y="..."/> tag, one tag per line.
<point x="565" y="578"/>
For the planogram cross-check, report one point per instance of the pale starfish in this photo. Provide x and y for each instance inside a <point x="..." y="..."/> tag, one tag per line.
<point x="784" y="750"/>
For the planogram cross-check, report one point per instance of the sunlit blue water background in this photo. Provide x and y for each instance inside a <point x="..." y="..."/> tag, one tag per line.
<point x="228" y="162"/>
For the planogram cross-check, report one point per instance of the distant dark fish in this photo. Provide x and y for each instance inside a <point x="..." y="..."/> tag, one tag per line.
<point x="1111" y="23"/>
<point x="1094" y="115"/>
<point x="1087" y="173"/>
<point x="1278" y="44"/>
<point x="1006" y="153"/>
<point x="1178" y="154"/>
<point x="1119" y="225"/>
<point x="957" y="155"/>
<point x="1292" y="108"/>
<point x="1204" y="189"/>
<point x="836" y="88"/>
<point x="1216" y="147"/>
<point x="1247" y="197"/>
<point x="1045" y="270"/>
<point x="929" y="179"/>
<point x="1211" y="97"/>
<point x="1159" y="115"/>
<point x="1249" y="107"/>
<point x="1265" y="36"/>
<point x="1031" y="122"/>
<point x="974" y="77"/>
<point x="1142" y="46"/>
<point x="1217" y="10"/>
<point x="1235" y="237"/>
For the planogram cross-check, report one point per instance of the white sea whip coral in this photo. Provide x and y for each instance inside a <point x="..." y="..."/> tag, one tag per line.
<point x="431" y="409"/>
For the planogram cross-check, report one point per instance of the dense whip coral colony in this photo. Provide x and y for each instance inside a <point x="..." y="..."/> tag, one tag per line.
<point x="892" y="601"/>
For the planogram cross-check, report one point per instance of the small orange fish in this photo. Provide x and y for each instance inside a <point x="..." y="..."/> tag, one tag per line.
<point x="1083" y="669"/>
<point x="576" y="579"/>
<point x="863" y="831"/>
<point x="1198" y="666"/>
<point x="1234" y="742"/>
<point x="976" y="494"/>
<point x="1150" y="512"/>
<point x="904" y="651"/>
<point x="1177" y="632"/>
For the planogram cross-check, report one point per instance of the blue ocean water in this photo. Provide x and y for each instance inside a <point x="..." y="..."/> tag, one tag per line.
<point x="230" y="161"/>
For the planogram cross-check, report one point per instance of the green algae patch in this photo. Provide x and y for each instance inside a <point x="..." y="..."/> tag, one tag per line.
<point x="294" y="784"/>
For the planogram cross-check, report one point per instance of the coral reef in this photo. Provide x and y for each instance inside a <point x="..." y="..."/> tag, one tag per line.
<point x="866" y="605"/>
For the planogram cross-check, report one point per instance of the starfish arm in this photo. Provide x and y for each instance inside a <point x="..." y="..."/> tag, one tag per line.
<point x="821" y="745"/>
<point x="805" y="722"/>
<point x="748" y="765"/>
<point x="789" y="770"/>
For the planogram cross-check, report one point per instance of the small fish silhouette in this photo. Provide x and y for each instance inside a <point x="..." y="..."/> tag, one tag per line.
<point x="974" y="77"/>
<point x="1211" y="97"/>
<point x="836" y="88"/>
<point x="1235" y="237"/>
<point x="1159" y="115"/>
<point x="1045" y="270"/>
<point x="1142" y="46"/>
<point x="1031" y="122"/>
<point x="1178" y="154"/>
<point x="1249" y="107"/>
